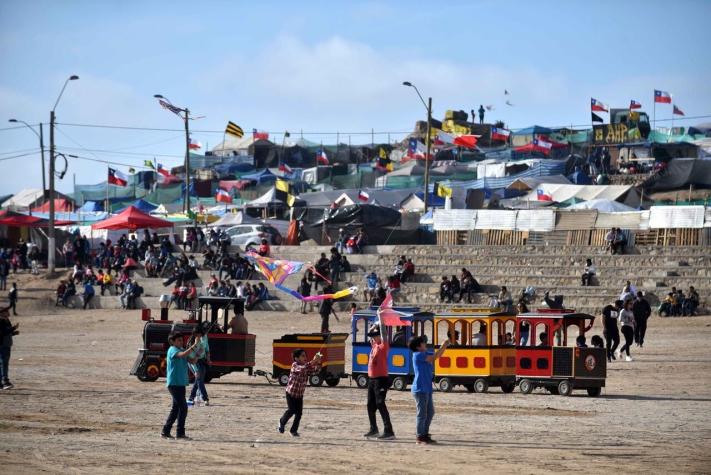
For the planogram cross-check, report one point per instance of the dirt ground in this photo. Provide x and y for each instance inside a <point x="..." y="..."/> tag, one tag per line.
<point x="76" y="409"/>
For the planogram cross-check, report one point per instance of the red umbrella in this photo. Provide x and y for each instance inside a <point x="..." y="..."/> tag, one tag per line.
<point x="132" y="218"/>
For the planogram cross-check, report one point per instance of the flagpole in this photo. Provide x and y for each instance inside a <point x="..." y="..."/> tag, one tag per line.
<point x="654" y="114"/>
<point x="106" y="207"/>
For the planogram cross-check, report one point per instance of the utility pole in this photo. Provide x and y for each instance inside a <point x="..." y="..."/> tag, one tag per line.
<point x="50" y="229"/>
<point x="41" y="137"/>
<point x="187" y="162"/>
<point x="427" y="156"/>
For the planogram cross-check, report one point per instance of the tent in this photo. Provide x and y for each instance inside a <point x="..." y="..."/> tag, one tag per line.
<point x="233" y="219"/>
<point x="559" y="193"/>
<point x="604" y="205"/>
<point x="143" y="205"/>
<point x="680" y="173"/>
<point x="60" y="204"/>
<point x="14" y="219"/>
<point x="91" y="207"/>
<point x="132" y="218"/>
<point x="263" y="176"/>
<point x="269" y="199"/>
<point x="24" y="199"/>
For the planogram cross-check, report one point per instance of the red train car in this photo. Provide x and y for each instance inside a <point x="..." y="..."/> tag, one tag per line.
<point x="547" y="354"/>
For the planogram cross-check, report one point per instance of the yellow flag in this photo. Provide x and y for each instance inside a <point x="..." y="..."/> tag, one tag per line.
<point x="383" y="153"/>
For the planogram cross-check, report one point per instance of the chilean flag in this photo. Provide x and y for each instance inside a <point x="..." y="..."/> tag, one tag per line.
<point x="390" y="317"/>
<point x="596" y="105"/>
<point x="257" y="135"/>
<point x="542" y="145"/>
<point x="363" y="196"/>
<point x="321" y="157"/>
<point x="284" y="168"/>
<point x="662" y="96"/>
<point x="677" y="111"/>
<point x="466" y="141"/>
<point x="164" y="176"/>
<point x="117" y="178"/>
<point x="500" y="134"/>
<point x="543" y="196"/>
<point x="194" y="144"/>
<point x="415" y="149"/>
<point x="635" y="105"/>
<point x="223" y="196"/>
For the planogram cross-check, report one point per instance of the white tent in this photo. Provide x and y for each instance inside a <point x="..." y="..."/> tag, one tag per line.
<point x="623" y="193"/>
<point x="604" y="205"/>
<point x="233" y="219"/>
<point x="24" y="199"/>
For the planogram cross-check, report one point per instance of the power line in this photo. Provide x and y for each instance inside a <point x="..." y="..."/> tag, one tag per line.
<point x="26" y="150"/>
<point x="113" y="152"/>
<point x="17" y="156"/>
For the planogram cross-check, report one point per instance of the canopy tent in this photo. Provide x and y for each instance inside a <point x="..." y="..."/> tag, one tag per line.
<point x="262" y="176"/>
<point x="233" y="219"/>
<point x="14" y="219"/>
<point x="604" y="205"/>
<point x="60" y="205"/>
<point x="269" y="199"/>
<point x="531" y="182"/>
<point x="132" y="218"/>
<point x="143" y="205"/>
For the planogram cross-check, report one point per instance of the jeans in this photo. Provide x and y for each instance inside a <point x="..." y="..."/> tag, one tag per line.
<point x="5" y="364"/>
<point x="200" y="381"/>
<point x="612" y="339"/>
<point x="425" y="412"/>
<point x="295" y="406"/>
<point x="377" y="390"/>
<point x="3" y="282"/>
<point x="628" y="332"/>
<point x="179" y="410"/>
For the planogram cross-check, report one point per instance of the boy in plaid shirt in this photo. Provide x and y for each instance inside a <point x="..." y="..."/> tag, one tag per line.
<point x="300" y="372"/>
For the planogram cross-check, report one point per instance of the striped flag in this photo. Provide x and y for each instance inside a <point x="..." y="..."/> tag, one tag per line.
<point x="167" y="105"/>
<point x="234" y="129"/>
<point x="223" y="196"/>
<point x="597" y="106"/>
<point x="117" y="178"/>
<point x="635" y="105"/>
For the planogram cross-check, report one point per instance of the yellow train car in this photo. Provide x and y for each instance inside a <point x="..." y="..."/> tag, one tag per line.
<point x="481" y="351"/>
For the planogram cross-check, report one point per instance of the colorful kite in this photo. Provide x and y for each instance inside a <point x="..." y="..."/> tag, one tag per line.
<point x="277" y="270"/>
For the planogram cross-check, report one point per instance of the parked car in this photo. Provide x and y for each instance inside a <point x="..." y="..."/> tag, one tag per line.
<point x="247" y="235"/>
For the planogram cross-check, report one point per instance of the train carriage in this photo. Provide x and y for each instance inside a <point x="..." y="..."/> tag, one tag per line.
<point x="399" y="355"/>
<point x="550" y="358"/>
<point x="332" y="347"/>
<point x="479" y="356"/>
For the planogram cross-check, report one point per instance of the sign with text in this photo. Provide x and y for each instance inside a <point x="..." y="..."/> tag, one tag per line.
<point x="610" y="134"/>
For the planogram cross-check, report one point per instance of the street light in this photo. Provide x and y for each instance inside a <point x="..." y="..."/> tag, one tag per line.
<point x="166" y="104"/>
<point x="428" y="106"/>
<point x="40" y="135"/>
<point x="50" y="230"/>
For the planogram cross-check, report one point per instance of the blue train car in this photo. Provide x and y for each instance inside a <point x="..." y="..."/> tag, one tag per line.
<point x="399" y="356"/>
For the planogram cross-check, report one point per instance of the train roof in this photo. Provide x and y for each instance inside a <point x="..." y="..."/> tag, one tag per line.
<point x="408" y="312"/>
<point x="564" y="313"/>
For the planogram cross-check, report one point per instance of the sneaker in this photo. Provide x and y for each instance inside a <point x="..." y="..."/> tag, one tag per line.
<point x="422" y="441"/>
<point x="372" y="433"/>
<point x="280" y="428"/>
<point x="430" y="440"/>
<point x="190" y="402"/>
<point x="207" y="403"/>
<point x="7" y="386"/>
<point x="628" y="358"/>
<point x="295" y="434"/>
<point x="386" y="436"/>
<point x="163" y="435"/>
<point x="183" y="437"/>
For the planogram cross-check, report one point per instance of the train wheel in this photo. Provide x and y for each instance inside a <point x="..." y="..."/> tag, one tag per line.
<point x="594" y="392"/>
<point x="508" y="387"/>
<point x="332" y="382"/>
<point x="481" y="385"/>
<point x="362" y="381"/>
<point x="315" y="380"/>
<point x="445" y="384"/>
<point x="399" y="383"/>
<point x="284" y="379"/>
<point x="565" y="388"/>
<point x="525" y="386"/>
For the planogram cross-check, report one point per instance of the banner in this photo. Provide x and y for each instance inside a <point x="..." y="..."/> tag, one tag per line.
<point x="610" y="134"/>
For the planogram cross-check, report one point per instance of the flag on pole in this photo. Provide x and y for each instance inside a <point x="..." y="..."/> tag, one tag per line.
<point x="390" y="317"/>
<point x="117" y="178"/>
<point x="321" y="157"/>
<point x="363" y="196"/>
<point x="164" y="176"/>
<point x="635" y="105"/>
<point x="223" y="196"/>
<point x="542" y="145"/>
<point x="662" y="96"/>
<point x="442" y="191"/>
<point x="285" y="169"/>
<point x="194" y="144"/>
<point x="415" y="149"/>
<point x="466" y="141"/>
<point x="168" y="106"/>
<point x="382" y="153"/>
<point x="256" y="135"/>
<point x="149" y="164"/>
<point x="234" y="129"/>
<point x="596" y="118"/>
<point x="596" y="105"/>
<point x="500" y="134"/>
<point x="543" y="196"/>
<point x="677" y="111"/>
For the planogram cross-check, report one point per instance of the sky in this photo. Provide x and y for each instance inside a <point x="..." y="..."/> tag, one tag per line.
<point x="323" y="68"/>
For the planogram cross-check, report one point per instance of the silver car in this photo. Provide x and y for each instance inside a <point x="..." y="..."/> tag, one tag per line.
<point x="251" y="235"/>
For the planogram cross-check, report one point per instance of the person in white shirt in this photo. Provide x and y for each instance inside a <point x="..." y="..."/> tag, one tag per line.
<point x="627" y="328"/>
<point x="479" y="339"/>
<point x="588" y="273"/>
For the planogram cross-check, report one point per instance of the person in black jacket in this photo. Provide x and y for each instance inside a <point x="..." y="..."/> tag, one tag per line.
<point x="326" y="310"/>
<point x="641" y="311"/>
<point x="7" y="331"/>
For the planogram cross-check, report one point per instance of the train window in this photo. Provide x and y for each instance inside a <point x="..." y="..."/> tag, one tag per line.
<point x="461" y="333"/>
<point x="525" y="363"/>
<point x="428" y="331"/>
<point x="542" y="336"/>
<point x="496" y="336"/>
<point x="542" y="363"/>
<point x="479" y="336"/>
<point x="572" y="332"/>
<point x="361" y="329"/>
<point x="443" y="329"/>
<point x="398" y="336"/>
<point x="523" y="335"/>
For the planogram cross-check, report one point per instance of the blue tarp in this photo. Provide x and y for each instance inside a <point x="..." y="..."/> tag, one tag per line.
<point x="91" y="206"/>
<point x="263" y="176"/>
<point x="143" y="205"/>
<point x="533" y="130"/>
<point x="432" y="199"/>
<point x="542" y="168"/>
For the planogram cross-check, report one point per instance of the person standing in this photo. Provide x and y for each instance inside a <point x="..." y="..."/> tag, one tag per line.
<point x="7" y="331"/>
<point x="627" y="324"/>
<point x="325" y="310"/>
<point x="12" y="297"/>
<point x="305" y="291"/>
<point x="378" y="383"/>
<point x="177" y="379"/>
<point x="610" y="316"/>
<point x="423" y="365"/>
<point x="642" y="311"/>
<point x="301" y="369"/>
<point x="4" y="272"/>
<point x="201" y="354"/>
<point x="88" y="293"/>
<point x="481" y="113"/>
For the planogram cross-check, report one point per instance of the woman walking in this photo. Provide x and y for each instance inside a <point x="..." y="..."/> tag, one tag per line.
<point x="627" y="322"/>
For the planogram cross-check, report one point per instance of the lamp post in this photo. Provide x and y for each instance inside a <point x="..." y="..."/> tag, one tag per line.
<point x="50" y="230"/>
<point x="166" y="104"/>
<point x="40" y="135"/>
<point x="428" y="106"/>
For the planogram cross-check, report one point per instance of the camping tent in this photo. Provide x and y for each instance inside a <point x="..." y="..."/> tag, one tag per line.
<point x="24" y="199"/>
<point x="132" y="218"/>
<point x="626" y="194"/>
<point x="269" y="199"/>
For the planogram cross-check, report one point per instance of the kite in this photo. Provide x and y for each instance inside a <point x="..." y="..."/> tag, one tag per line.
<point x="276" y="272"/>
<point x="389" y="316"/>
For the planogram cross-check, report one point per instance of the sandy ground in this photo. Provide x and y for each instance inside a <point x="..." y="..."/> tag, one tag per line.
<point x="76" y="409"/>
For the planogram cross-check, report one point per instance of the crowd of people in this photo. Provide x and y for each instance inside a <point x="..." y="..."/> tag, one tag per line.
<point x="454" y="289"/>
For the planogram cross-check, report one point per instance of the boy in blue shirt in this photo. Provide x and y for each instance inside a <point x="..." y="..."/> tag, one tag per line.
<point x="422" y="386"/>
<point x="177" y="378"/>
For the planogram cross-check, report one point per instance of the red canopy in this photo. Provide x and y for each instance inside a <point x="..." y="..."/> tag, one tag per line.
<point x="132" y="218"/>
<point x="11" y="218"/>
